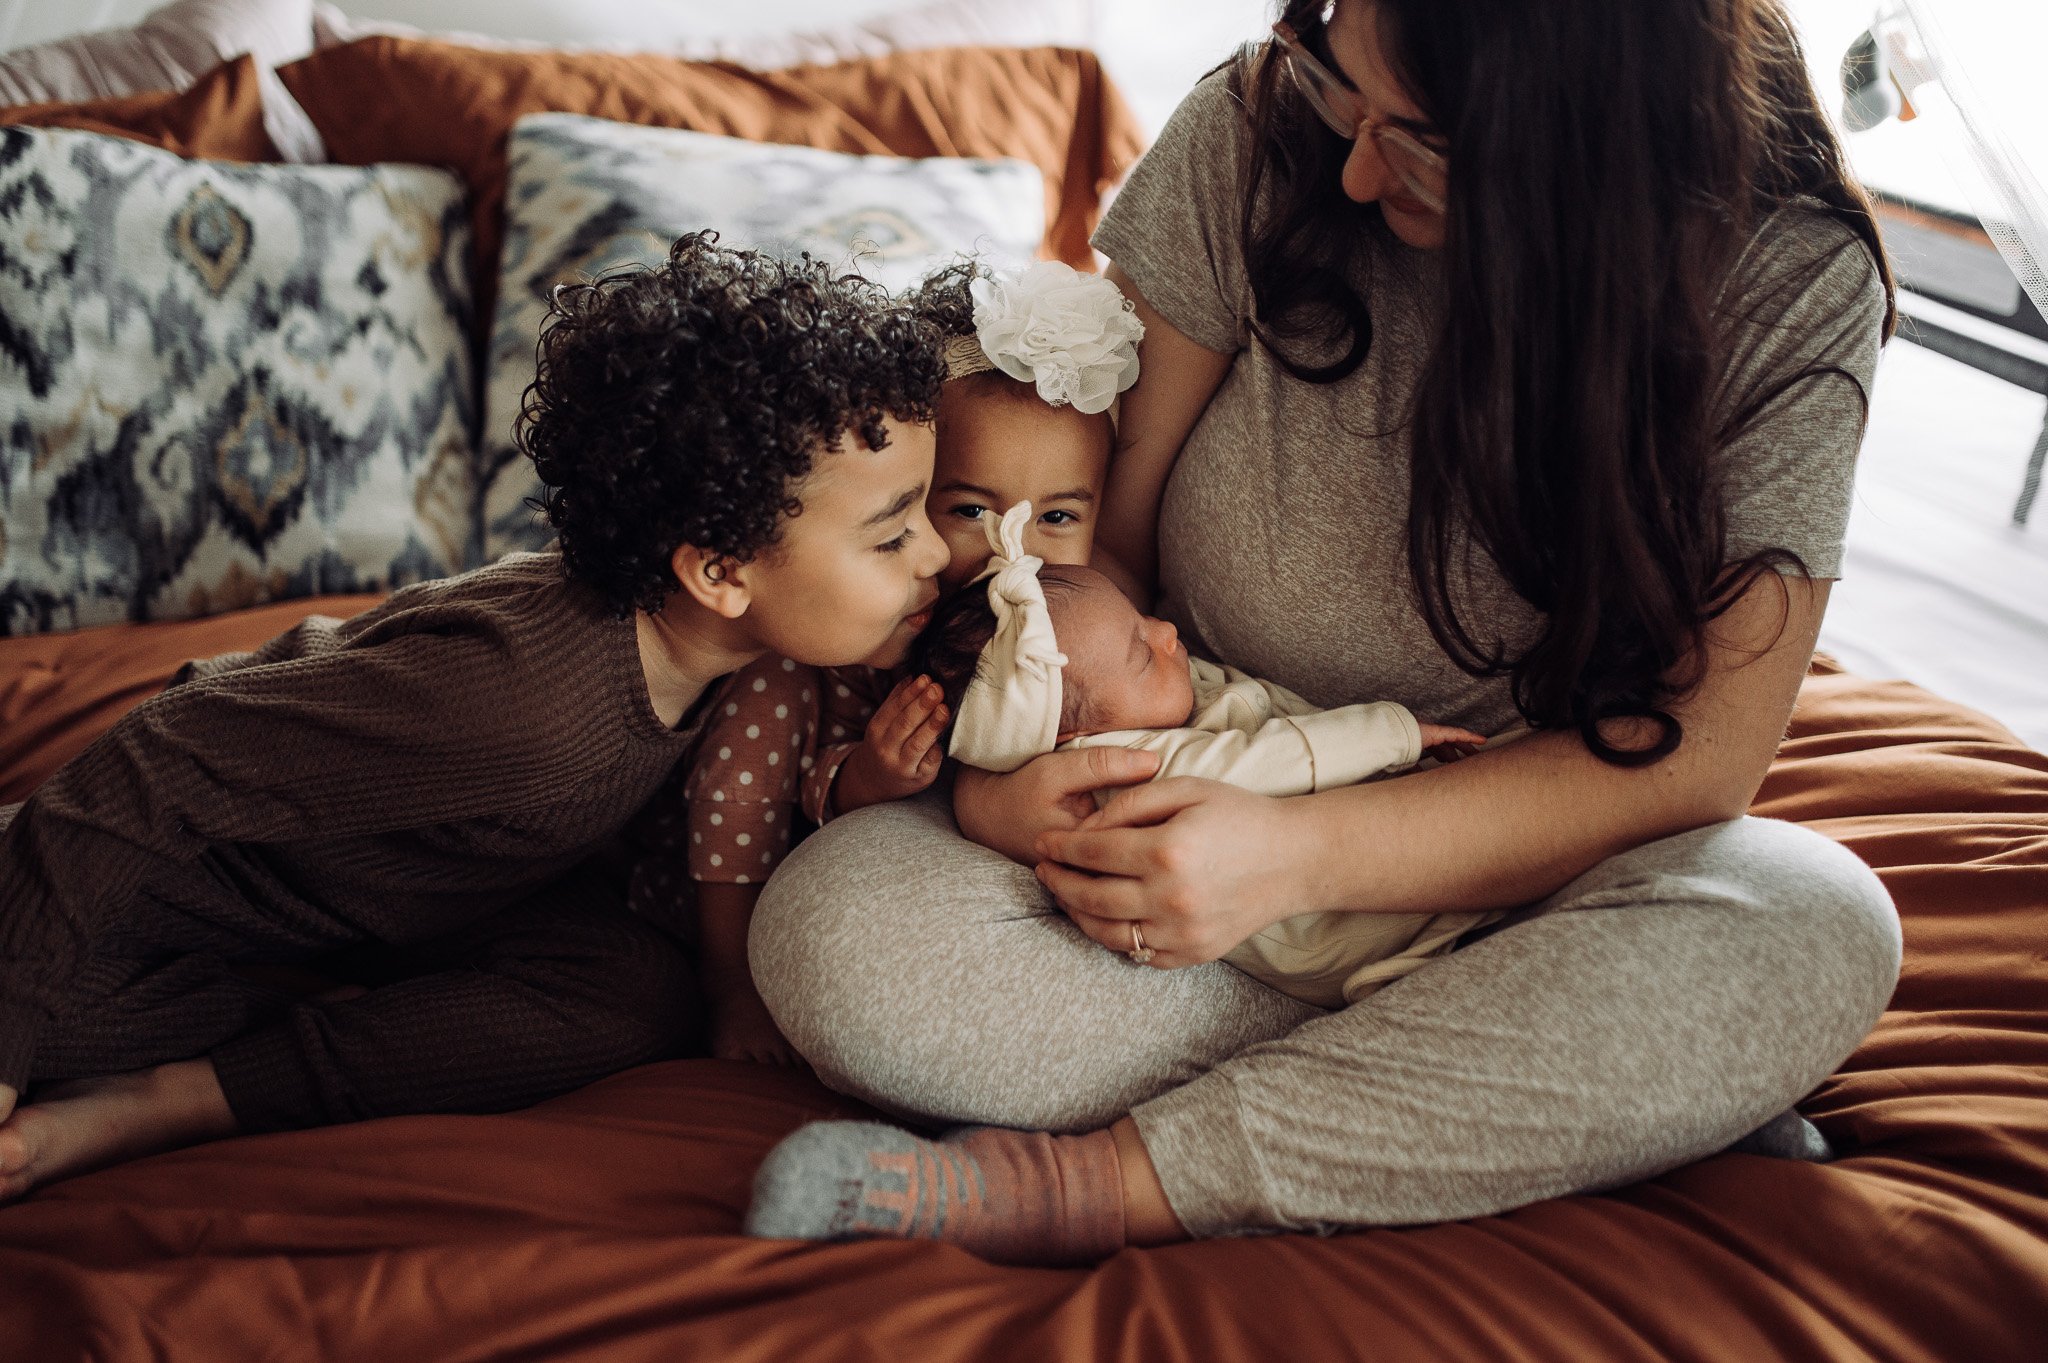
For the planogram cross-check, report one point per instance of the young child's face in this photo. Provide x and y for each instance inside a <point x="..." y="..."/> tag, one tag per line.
<point x="996" y="449"/>
<point x="1124" y="670"/>
<point x="851" y="579"/>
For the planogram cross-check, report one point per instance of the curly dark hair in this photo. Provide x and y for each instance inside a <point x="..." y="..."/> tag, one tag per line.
<point x="683" y="403"/>
<point x="941" y="299"/>
<point x="948" y="649"/>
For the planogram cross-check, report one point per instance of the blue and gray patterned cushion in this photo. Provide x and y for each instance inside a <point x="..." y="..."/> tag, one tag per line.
<point x="225" y="384"/>
<point x="585" y="195"/>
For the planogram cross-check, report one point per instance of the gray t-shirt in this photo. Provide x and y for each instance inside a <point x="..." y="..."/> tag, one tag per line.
<point x="1282" y="534"/>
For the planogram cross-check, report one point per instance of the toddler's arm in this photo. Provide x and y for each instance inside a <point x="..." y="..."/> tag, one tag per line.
<point x="741" y="1026"/>
<point x="848" y="700"/>
<point x="726" y="833"/>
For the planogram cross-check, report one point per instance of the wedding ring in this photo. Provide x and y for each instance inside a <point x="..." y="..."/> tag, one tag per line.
<point x="1139" y="952"/>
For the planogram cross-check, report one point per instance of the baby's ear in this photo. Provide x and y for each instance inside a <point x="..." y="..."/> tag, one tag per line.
<point x="712" y="580"/>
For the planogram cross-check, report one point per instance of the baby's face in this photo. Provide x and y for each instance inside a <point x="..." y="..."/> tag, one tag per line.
<point x="996" y="449"/>
<point x="1124" y="670"/>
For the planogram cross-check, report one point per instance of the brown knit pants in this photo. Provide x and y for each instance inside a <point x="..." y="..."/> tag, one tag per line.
<point x="544" y="996"/>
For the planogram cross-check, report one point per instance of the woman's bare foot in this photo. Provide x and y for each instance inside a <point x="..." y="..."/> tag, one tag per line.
<point x="86" y="1124"/>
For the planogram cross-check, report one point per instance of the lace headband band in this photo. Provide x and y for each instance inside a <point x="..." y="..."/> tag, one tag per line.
<point x="965" y="356"/>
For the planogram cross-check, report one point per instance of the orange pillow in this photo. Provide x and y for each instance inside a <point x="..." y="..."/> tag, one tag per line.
<point x="397" y="99"/>
<point x="219" y="118"/>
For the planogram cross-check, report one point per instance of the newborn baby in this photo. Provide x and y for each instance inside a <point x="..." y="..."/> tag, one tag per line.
<point x="1035" y="658"/>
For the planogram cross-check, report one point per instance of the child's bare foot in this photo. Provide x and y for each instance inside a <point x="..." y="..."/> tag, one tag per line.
<point x="86" y="1124"/>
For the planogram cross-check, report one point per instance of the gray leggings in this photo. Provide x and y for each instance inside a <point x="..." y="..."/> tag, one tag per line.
<point x="1651" y="1012"/>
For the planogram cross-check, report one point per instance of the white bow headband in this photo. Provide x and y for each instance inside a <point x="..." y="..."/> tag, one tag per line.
<point x="1072" y="335"/>
<point x="1010" y="712"/>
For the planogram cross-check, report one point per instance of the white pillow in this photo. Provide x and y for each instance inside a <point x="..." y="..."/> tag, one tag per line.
<point x="763" y="37"/>
<point x="226" y="384"/>
<point x="169" y="50"/>
<point x="586" y="195"/>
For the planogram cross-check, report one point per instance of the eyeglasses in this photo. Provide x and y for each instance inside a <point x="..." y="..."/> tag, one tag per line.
<point x="1421" y="170"/>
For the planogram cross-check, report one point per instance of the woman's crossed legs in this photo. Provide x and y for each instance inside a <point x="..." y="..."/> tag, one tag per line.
<point x="1658" y="1008"/>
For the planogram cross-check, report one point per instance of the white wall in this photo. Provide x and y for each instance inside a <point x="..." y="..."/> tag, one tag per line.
<point x="1155" y="50"/>
<point x="23" y="22"/>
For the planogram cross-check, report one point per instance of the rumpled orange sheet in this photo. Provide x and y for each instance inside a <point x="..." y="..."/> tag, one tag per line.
<point x="604" y="1225"/>
<point x="219" y="118"/>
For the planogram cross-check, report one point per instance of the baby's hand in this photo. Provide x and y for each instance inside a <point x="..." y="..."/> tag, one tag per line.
<point x="1447" y="743"/>
<point x="901" y="754"/>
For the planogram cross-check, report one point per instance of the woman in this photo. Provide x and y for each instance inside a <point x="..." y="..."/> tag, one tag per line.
<point x="1508" y="361"/>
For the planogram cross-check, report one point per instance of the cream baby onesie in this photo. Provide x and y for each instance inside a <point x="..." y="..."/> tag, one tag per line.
<point x="1264" y="738"/>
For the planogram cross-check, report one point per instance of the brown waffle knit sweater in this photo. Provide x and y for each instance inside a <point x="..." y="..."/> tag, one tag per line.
<point x="386" y="778"/>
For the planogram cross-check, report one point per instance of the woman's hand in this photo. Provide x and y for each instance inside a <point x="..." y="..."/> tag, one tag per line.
<point x="1053" y="792"/>
<point x="1198" y="865"/>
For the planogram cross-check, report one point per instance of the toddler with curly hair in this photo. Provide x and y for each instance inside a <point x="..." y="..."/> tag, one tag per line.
<point x="1035" y="359"/>
<point x="401" y="808"/>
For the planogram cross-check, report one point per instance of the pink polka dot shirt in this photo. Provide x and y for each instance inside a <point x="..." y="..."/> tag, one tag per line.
<point x="773" y="744"/>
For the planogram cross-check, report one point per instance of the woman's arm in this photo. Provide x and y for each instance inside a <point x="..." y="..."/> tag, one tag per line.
<point x="1204" y="866"/>
<point x="1176" y="379"/>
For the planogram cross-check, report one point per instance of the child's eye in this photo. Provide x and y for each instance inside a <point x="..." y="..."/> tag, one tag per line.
<point x="969" y="512"/>
<point x="1060" y="518"/>
<point x="895" y="546"/>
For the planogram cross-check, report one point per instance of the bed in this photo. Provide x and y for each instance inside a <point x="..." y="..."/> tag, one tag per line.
<point x="605" y="1225"/>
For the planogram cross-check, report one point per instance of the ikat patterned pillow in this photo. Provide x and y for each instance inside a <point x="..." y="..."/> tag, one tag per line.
<point x="225" y="384"/>
<point x="586" y="195"/>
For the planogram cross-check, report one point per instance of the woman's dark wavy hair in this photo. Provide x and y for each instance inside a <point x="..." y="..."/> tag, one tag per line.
<point x="1609" y="160"/>
<point x="682" y="404"/>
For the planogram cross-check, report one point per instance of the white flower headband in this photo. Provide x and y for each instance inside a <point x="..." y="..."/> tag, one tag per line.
<point x="1074" y="335"/>
<point x="1010" y="712"/>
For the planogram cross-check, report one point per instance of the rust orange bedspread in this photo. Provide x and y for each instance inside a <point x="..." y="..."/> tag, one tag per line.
<point x="604" y="1225"/>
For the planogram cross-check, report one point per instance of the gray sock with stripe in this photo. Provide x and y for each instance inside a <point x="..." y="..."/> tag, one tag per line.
<point x="1014" y="1197"/>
